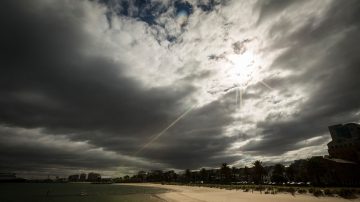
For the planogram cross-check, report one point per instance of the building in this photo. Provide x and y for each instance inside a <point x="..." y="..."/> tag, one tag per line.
<point x="73" y="178"/>
<point x="94" y="177"/>
<point x="335" y="172"/>
<point x="82" y="177"/>
<point x="345" y="142"/>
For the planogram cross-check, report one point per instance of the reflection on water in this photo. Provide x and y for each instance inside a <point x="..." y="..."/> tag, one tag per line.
<point x="71" y="192"/>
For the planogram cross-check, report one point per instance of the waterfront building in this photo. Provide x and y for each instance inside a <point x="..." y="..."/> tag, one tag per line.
<point x="345" y="142"/>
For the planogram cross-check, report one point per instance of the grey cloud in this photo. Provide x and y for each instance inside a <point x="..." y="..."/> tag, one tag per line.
<point x="239" y="47"/>
<point x="65" y="89"/>
<point x="333" y="78"/>
<point x="198" y="138"/>
<point x="49" y="82"/>
<point x="268" y="8"/>
<point x="52" y="79"/>
<point x="22" y="150"/>
<point x="210" y="5"/>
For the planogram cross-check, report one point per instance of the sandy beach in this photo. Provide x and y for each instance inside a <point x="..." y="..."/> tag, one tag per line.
<point x="196" y="194"/>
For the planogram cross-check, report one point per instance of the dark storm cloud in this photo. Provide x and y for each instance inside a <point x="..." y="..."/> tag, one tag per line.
<point x="33" y="153"/>
<point x="58" y="82"/>
<point x="48" y="81"/>
<point x="268" y="8"/>
<point x="195" y="141"/>
<point x="333" y="77"/>
<point x="198" y="139"/>
<point x="36" y="159"/>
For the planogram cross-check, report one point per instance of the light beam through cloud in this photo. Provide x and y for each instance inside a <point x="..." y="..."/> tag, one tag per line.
<point x="163" y="131"/>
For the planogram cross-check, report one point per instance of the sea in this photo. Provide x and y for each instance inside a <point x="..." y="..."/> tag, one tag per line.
<point x="77" y="192"/>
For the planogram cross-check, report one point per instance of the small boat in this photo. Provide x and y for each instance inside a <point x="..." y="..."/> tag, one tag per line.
<point x="83" y="193"/>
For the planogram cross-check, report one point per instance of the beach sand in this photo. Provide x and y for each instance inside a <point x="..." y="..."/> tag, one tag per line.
<point x="195" y="194"/>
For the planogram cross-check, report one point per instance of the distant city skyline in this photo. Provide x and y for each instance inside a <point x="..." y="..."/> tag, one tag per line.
<point x="117" y="86"/>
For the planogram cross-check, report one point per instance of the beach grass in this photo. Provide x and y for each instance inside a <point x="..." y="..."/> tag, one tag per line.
<point x="343" y="192"/>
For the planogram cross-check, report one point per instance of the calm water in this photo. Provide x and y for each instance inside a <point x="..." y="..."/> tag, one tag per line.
<point x="71" y="192"/>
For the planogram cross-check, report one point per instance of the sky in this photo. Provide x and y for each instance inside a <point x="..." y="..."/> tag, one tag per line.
<point x="116" y="86"/>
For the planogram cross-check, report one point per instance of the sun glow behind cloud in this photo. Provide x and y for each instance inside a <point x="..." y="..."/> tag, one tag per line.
<point x="243" y="68"/>
<point x="236" y="71"/>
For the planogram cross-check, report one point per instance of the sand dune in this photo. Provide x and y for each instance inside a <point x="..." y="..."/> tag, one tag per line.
<point x="196" y="194"/>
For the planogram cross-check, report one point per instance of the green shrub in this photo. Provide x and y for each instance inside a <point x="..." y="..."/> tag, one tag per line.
<point x="258" y="188"/>
<point x="282" y="189"/>
<point x="328" y="192"/>
<point x="347" y="193"/>
<point x="290" y="190"/>
<point x="302" y="191"/>
<point x="318" y="192"/>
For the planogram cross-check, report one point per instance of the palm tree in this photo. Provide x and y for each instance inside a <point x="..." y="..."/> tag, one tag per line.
<point x="233" y="173"/>
<point x="203" y="174"/>
<point x="225" y="172"/>
<point x="278" y="174"/>
<point x="141" y="175"/>
<point x="246" y="174"/>
<point x="259" y="172"/>
<point x="290" y="173"/>
<point x="188" y="175"/>
<point x="315" y="169"/>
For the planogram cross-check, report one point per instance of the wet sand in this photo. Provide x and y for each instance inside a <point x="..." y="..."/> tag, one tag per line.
<point x="195" y="194"/>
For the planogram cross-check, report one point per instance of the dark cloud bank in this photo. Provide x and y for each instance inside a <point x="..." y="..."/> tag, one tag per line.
<point x="47" y="82"/>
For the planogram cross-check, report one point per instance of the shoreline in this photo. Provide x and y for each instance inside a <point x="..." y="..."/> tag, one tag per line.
<point x="180" y="193"/>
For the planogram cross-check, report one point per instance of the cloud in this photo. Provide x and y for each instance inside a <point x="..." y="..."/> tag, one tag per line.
<point x="62" y="79"/>
<point x="269" y="8"/>
<point x="50" y="80"/>
<point x="197" y="139"/>
<point x="325" y="55"/>
<point x="99" y="79"/>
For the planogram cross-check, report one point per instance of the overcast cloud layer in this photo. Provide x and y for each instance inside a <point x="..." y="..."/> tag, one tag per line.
<point x="85" y="84"/>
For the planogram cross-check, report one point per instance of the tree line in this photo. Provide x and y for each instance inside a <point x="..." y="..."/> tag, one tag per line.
<point x="315" y="171"/>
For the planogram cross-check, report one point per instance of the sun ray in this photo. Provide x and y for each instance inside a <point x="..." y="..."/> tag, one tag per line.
<point x="243" y="70"/>
<point x="162" y="132"/>
<point x="240" y="98"/>
<point x="266" y="85"/>
<point x="236" y="98"/>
